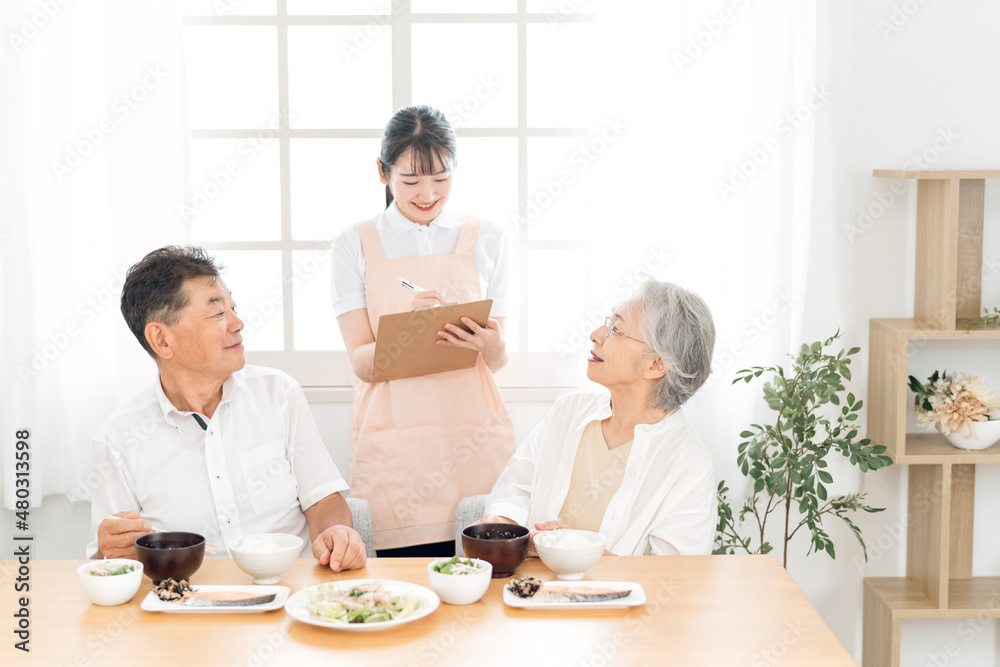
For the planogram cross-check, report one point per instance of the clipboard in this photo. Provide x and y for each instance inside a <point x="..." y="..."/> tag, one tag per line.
<point x="406" y="345"/>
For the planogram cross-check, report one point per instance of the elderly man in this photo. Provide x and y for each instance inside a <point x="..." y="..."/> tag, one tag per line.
<point x="212" y="446"/>
<point x="622" y="461"/>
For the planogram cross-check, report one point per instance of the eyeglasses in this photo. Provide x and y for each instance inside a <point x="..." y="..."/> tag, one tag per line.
<point x="611" y="329"/>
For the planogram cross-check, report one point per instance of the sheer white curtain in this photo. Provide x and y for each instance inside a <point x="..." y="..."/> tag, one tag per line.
<point x="723" y="181"/>
<point x="92" y="173"/>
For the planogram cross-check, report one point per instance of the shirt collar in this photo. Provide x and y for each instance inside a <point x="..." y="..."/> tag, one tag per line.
<point x="231" y="387"/>
<point x="400" y="224"/>
<point x="602" y="410"/>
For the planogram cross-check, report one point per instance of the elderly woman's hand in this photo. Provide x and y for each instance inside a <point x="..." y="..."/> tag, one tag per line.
<point x="555" y="524"/>
<point x="493" y="518"/>
<point x="542" y="526"/>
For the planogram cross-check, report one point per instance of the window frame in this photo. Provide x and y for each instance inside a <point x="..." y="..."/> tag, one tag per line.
<point x="331" y="369"/>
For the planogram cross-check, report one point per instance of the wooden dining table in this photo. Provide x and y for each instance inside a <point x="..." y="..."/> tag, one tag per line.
<point x="700" y="611"/>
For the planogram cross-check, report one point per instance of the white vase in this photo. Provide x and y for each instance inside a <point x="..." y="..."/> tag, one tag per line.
<point x="984" y="434"/>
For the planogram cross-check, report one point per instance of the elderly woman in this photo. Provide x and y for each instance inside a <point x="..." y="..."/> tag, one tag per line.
<point x="622" y="461"/>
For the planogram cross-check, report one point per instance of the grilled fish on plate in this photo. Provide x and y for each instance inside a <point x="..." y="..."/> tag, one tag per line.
<point x="529" y="592"/>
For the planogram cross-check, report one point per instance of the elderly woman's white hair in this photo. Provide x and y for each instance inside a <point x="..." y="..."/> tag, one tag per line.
<point x="678" y="326"/>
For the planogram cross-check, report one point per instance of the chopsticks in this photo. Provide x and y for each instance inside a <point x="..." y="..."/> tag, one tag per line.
<point x="209" y="547"/>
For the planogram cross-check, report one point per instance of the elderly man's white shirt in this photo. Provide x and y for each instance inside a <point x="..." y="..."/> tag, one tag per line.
<point x="256" y="468"/>
<point x="666" y="504"/>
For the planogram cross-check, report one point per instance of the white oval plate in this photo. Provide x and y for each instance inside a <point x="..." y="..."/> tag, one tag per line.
<point x="429" y="601"/>
<point x="153" y="603"/>
<point x="634" y="599"/>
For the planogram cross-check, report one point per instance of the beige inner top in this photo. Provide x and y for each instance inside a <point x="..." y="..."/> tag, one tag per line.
<point x="597" y="475"/>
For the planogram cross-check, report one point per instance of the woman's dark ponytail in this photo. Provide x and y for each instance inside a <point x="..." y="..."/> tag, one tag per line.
<point x="427" y="132"/>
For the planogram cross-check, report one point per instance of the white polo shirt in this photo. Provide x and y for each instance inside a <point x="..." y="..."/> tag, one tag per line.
<point x="255" y="469"/>
<point x="401" y="237"/>
<point x="666" y="504"/>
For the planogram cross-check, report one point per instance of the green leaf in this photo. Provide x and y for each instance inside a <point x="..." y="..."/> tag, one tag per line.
<point x="821" y="491"/>
<point x="758" y="486"/>
<point x="825" y="476"/>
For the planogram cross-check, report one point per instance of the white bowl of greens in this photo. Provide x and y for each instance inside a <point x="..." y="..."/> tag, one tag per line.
<point x="460" y="580"/>
<point x="111" y="581"/>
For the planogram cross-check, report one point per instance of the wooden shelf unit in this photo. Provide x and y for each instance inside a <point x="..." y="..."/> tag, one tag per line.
<point x="942" y="479"/>
<point x="889" y="342"/>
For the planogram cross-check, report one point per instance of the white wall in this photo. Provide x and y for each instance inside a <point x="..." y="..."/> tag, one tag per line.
<point x="920" y="71"/>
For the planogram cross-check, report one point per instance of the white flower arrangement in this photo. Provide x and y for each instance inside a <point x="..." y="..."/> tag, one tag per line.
<point x="953" y="401"/>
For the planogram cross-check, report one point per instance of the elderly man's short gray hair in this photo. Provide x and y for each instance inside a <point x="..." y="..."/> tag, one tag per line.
<point x="678" y="325"/>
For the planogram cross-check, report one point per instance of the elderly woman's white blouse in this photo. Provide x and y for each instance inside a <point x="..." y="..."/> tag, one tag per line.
<point x="667" y="501"/>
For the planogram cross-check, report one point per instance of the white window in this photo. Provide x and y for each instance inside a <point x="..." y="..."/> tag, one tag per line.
<point x="286" y="102"/>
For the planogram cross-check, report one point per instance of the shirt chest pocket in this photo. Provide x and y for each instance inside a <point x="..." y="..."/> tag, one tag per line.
<point x="270" y="482"/>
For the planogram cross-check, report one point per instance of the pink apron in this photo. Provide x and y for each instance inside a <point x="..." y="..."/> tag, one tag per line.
<point x="421" y="444"/>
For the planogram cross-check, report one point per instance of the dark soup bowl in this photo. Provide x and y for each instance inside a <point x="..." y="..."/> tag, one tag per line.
<point x="174" y="555"/>
<point x="503" y="545"/>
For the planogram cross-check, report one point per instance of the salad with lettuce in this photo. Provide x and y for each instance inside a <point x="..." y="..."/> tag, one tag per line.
<point x="457" y="566"/>
<point x="362" y="603"/>
<point x="111" y="569"/>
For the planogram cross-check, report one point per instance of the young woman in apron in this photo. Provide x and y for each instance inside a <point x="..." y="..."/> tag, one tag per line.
<point x="419" y="445"/>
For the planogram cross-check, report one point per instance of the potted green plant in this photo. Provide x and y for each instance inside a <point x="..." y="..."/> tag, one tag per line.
<point x="787" y="458"/>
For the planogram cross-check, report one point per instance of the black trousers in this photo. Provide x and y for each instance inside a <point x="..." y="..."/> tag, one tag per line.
<point x="432" y="550"/>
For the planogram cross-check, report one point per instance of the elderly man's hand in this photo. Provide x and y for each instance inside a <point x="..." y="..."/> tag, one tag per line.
<point x="116" y="538"/>
<point x="341" y="548"/>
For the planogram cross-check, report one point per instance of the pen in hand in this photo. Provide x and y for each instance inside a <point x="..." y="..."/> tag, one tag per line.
<point x="410" y="286"/>
<point x="422" y="301"/>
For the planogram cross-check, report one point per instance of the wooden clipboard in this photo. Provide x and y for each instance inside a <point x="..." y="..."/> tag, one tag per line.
<point x="406" y="345"/>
